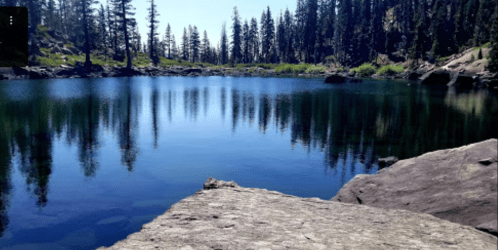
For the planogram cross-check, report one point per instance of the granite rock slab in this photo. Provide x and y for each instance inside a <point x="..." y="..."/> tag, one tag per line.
<point x="227" y="216"/>
<point x="458" y="185"/>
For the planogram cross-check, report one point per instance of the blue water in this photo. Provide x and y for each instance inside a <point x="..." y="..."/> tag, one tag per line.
<point x="86" y="162"/>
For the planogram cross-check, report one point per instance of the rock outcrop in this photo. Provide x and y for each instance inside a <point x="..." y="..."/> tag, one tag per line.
<point x="336" y="78"/>
<point x="458" y="185"/>
<point x="226" y="216"/>
<point x="436" y="77"/>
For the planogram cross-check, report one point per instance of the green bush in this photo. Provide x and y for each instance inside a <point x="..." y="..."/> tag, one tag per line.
<point x="472" y="58"/>
<point x="318" y="69"/>
<point x="390" y="69"/>
<point x="479" y="55"/>
<point x="366" y="69"/>
<point x="292" y="68"/>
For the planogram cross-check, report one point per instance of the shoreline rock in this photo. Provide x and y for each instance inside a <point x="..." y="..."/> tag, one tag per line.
<point x="432" y="77"/>
<point x="458" y="185"/>
<point x="226" y="216"/>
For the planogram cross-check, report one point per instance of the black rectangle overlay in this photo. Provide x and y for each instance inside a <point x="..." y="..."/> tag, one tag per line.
<point x="13" y="36"/>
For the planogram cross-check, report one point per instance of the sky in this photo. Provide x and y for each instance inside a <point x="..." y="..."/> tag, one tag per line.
<point x="207" y="15"/>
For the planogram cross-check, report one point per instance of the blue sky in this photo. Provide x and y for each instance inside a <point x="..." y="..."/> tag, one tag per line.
<point x="205" y="14"/>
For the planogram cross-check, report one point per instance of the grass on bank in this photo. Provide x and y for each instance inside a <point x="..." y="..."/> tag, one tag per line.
<point x="390" y="70"/>
<point x="367" y="69"/>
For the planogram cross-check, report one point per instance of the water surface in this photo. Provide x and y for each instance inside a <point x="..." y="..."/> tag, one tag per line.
<point x="85" y="162"/>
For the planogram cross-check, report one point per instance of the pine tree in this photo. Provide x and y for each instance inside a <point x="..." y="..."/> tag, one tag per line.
<point x="236" y="35"/>
<point x="50" y="14"/>
<point x="289" y="37"/>
<point x="377" y="30"/>
<point x="123" y="12"/>
<point x="300" y="17"/>
<point x="224" y="45"/>
<point x="254" y="40"/>
<point x="102" y="31"/>
<point x="205" y="51"/>
<point x="267" y="35"/>
<point x="438" y="28"/>
<point x="493" y="54"/>
<point x="344" y="33"/>
<point x="310" y="29"/>
<point x="174" y="48"/>
<point x="87" y="10"/>
<point x="167" y="41"/>
<point x="153" y="23"/>
<point x="184" y="45"/>
<point x="245" y="42"/>
<point x="281" y="41"/>
<point x="195" y="44"/>
<point x="418" y="48"/>
<point x="483" y="25"/>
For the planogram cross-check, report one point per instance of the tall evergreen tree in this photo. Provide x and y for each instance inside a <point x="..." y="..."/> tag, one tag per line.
<point x="377" y="30"/>
<point x="174" y="48"/>
<point x="236" y="37"/>
<point x="184" y="45"/>
<point x="268" y="36"/>
<point x="281" y="41"/>
<point x="87" y="11"/>
<point x="206" y="48"/>
<point x="245" y="42"/>
<point x="103" y="34"/>
<point x="254" y="40"/>
<point x="493" y="54"/>
<point x="224" y="45"/>
<point x="123" y="12"/>
<point x="420" y="40"/>
<point x="344" y="33"/>
<point x="195" y="44"/>
<point x="289" y="37"/>
<point x="483" y="24"/>
<point x="438" y="25"/>
<point x="310" y="29"/>
<point x="167" y="41"/>
<point x="153" y="26"/>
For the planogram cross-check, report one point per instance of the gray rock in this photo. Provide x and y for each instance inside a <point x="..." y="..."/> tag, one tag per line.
<point x="66" y="51"/>
<point x="56" y="49"/>
<point x="225" y="217"/>
<point x="436" y="77"/>
<point x="388" y="160"/>
<point x="449" y="184"/>
<point x="336" y="78"/>
<point x="463" y="81"/>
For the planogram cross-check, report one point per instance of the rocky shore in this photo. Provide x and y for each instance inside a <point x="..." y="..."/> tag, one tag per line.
<point x="226" y="216"/>
<point x="432" y="77"/>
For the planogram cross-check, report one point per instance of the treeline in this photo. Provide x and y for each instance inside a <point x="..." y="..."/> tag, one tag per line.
<point x="345" y="32"/>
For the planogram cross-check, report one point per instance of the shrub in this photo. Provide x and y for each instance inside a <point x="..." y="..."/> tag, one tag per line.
<point x="366" y="69"/>
<point x="292" y="68"/>
<point x="318" y="69"/>
<point x="390" y="69"/>
<point x="479" y="55"/>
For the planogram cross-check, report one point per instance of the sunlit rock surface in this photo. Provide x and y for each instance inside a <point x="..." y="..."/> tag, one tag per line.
<point x="227" y="216"/>
<point x="459" y="185"/>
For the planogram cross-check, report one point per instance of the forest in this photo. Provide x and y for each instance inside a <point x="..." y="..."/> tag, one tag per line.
<point x="343" y="32"/>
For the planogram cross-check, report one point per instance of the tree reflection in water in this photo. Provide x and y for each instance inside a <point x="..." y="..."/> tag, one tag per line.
<point x="351" y="129"/>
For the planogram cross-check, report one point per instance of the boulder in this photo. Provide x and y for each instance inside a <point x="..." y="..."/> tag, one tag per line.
<point x="458" y="185"/>
<point x="66" y="51"/>
<point x="437" y="77"/>
<point x="336" y="78"/>
<point x="463" y="81"/>
<point x="189" y="71"/>
<point x="226" y="216"/>
<point x="74" y="50"/>
<point x="413" y="75"/>
<point x="387" y="161"/>
<point x="56" y="49"/>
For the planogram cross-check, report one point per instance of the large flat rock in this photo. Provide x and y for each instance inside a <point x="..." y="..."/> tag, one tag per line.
<point x="226" y="216"/>
<point x="458" y="185"/>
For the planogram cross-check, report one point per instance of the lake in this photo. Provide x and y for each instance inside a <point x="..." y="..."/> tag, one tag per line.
<point x="86" y="162"/>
